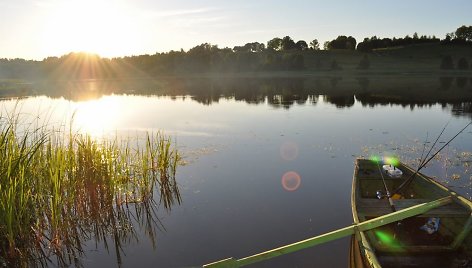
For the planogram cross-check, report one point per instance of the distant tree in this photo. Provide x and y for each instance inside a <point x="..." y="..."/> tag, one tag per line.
<point x="447" y="63"/>
<point x="462" y="64"/>
<point x="365" y="46"/>
<point x="287" y="43"/>
<point x="369" y="44"/>
<point x="326" y="45"/>
<point x="239" y="49"/>
<point x="450" y="36"/>
<point x="258" y="47"/>
<point x="250" y="47"/>
<point x="203" y="48"/>
<point x="343" y="42"/>
<point x="351" y="43"/>
<point x="301" y="45"/>
<point x="464" y="33"/>
<point x="315" y="45"/>
<point x="364" y="64"/>
<point x="274" y="44"/>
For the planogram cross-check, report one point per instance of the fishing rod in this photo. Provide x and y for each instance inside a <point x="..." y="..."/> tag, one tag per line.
<point x="424" y="148"/>
<point x="424" y="163"/>
<point x="430" y="149"/>
<point x="389" y="197"/>
<point x="422" y="160"/>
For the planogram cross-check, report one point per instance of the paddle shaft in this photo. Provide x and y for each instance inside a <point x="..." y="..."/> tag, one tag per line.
<point x="340" y="233"/>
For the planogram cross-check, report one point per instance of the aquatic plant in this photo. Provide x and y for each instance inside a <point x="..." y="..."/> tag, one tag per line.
<point x="59" y="189"/>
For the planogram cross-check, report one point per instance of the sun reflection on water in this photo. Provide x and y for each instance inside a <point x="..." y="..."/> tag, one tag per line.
<point x="96" y="117"/>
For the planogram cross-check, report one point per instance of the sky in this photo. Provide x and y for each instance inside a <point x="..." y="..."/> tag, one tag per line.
<point x="36" y="29"/>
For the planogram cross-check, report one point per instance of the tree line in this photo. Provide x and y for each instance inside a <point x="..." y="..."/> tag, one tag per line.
<point x="278" y="54"/>
<point x="462" y="36"/>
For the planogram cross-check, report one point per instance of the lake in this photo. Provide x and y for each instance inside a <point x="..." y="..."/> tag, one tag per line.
<point x="266" y="161"/>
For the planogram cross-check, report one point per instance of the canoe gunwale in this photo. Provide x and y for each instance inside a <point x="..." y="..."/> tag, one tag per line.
<point x="364" y="239"/>
<point x="367" y="253"/>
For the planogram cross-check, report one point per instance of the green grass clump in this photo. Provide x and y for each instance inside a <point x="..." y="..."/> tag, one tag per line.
<point x="59" y="189"/>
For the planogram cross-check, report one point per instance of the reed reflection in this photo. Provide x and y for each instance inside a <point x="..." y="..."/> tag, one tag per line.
<point x="60" y="190"/>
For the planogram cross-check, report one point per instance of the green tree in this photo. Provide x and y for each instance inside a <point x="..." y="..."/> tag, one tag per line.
<point x="301" y="45"/>
<point x="250" y="47"/>
<point x="287" y="43"/>
<point x="326" y="45"/>
<point x="258" y="47"/>
<point x="351" y="43"/>
<point x="274" y="44"/>
<point x="343" y="42"/>
<point x="315" y="45"/>
<point x="464" y="33"/>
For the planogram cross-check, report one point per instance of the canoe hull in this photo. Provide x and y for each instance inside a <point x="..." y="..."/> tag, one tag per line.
<point x="407" y="244"/>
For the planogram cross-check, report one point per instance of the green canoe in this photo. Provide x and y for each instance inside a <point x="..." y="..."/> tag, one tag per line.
<point x="440" y="237"/>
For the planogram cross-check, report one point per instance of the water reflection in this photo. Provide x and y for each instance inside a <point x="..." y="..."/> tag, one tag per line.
<point x="289" y="151"/>
<point x="462" y="109"/>
<point x="445" y="83"/>
<point x="257" y="207"/>
<point x="278" y="92"/>
<point x="80" y="190"/>
<point x="340" y="101"/>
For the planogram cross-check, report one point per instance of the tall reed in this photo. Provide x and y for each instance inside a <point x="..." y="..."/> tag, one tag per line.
<point x="59" y="189"/>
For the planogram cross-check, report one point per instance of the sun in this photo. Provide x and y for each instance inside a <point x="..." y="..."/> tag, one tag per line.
<point x="89" y="26"/>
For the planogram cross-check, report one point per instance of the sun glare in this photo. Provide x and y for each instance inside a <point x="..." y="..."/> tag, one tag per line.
<point x="89" y="26"/>
<point x="96" y="117"/>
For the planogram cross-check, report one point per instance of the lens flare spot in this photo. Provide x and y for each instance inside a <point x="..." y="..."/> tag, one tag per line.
<point x="388" y="240"/>
<point x="289" y="151"/>
<point x="291" y="181"/>
<point x="375" y="158"/>
<point x="384" y="237"/>
<point x="389" y="160"/>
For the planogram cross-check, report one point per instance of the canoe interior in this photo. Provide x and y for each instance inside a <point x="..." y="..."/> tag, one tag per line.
<point x="404" y="244"/>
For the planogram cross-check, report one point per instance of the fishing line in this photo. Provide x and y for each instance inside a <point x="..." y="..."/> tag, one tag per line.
<point x="434" y="144"/>
<point x="410" y="179"/>
<point x="424" y="148"/>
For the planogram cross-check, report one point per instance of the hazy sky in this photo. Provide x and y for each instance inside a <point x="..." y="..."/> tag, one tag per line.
<point x="34" y="29"/>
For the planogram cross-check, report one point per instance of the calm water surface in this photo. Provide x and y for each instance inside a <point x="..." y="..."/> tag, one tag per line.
<point x="256" y="176"/>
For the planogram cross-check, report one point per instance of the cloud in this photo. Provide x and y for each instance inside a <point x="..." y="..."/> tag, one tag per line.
<point x="191" y="18"/>
<point x="192" y="22"/>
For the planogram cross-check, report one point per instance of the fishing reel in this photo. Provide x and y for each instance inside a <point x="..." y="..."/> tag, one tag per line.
<point x="381" y="195"/>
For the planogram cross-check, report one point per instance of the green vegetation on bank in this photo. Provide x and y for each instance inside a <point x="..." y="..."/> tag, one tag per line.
<point x="408" y="54"/>
<point x="59" y="189"/>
